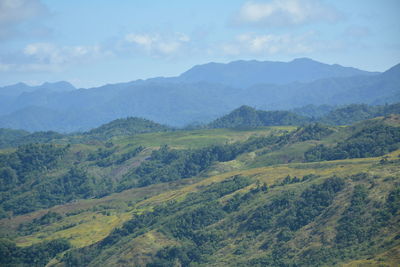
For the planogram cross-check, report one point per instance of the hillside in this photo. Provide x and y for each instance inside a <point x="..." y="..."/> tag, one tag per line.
<point x="269" y="196"/>
<point x="190" y="98"/>
<point x="8" y="136"/>
<point x="354" y="113"/>
<point x="247" y="117"/>
<point x="243" y="117"/>
<point x="125" y="127"/>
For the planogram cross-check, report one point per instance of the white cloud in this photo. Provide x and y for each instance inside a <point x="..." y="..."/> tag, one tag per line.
<point x="285" y="12"/>
<point x="52" y="54"/>
<point x="14" y="13"/>
<point x="157" y="44"/>
<point x="141" y="39"/>
<point x="50" y="57"/>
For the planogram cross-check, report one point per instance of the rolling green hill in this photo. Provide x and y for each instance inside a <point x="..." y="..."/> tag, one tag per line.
<point x="248" y="117"/>
<point x="353" y="113"/>
<point x="126" y="127"/>
<point x="210" y="197"/>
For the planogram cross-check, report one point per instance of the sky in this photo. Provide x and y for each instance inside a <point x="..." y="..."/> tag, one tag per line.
<point x="94" y="42"/>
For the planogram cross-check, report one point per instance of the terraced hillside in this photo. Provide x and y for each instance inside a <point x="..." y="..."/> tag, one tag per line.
<point x="270" y="196"/>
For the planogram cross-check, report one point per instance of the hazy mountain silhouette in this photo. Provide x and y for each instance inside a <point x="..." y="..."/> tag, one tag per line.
<point x="201" y="94"/>
<point x="247" y="73"/>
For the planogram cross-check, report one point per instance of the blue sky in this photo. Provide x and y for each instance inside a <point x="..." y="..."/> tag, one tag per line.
<point x="94" y="42"/>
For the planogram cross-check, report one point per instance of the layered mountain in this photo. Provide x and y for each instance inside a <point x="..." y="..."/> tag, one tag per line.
<point x="201" y="94"/>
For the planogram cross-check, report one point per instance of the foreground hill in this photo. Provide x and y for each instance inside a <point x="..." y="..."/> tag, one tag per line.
<point x="272" y="196"/>
<point x="199" y="95"/>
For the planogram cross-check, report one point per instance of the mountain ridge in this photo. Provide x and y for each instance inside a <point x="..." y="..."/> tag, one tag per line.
<point x="174" y="102"/>
<point x="245" y="73"/>
<point x="181" y="78"/>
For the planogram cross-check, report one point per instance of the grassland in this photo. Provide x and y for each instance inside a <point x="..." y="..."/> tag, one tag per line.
<point x="91" y="226"/>
<point x="199" y="138"/>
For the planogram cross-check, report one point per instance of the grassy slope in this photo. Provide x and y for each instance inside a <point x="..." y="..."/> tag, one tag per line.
<point x="129" y="253"/>
<point x="93" y="226"/>
<point x="199" y="138"/>
<point x="270" y="175"/>
<point x="78" y="152"/>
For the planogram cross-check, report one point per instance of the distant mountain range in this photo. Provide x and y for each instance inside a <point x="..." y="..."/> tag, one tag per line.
<point x="248" y="73"/>
<point x="200" y="94"/>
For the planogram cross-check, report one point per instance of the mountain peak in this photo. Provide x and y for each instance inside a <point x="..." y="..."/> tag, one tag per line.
<point x="246" y="73"/>
<point x="248" y="117"/>
<point x="127" y="126"/>
<point x="304" y="59"/>
<point x="57" y="86"/>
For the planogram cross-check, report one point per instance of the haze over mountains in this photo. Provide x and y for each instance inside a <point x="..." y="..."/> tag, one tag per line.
<point x="200" y="94"/>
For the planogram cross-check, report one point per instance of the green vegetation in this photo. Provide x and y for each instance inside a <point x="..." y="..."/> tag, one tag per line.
<point x="26" y="162"/>
<point x="35" y="255"/>
<point x="247" y="117"/>
<point x="357" y="112"/>
<point x="125" y="127"/>
<point x="208" y="197"/>
<point x="272" y="220"/>
<point x="107" y="157"/>
<point x="8" y="136"/>
<point x="169" y="165"/>
<point x="48" y="218"/>
<point x="374" y="140"/>
<point x="59" y="174"/>
<point x="14" y="138"/>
